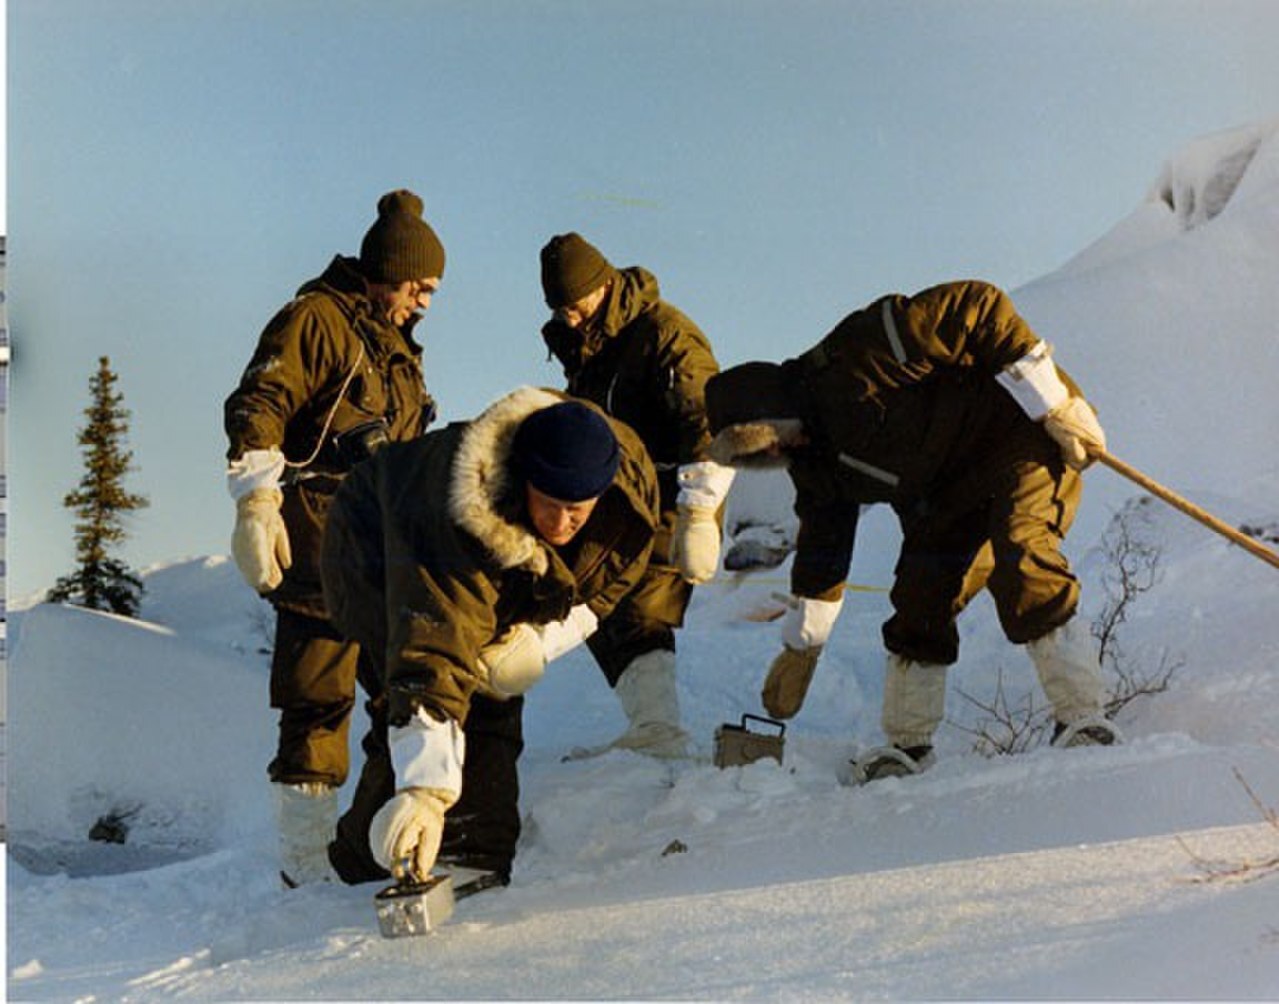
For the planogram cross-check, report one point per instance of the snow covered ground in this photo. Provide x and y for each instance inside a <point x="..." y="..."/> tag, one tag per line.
<point x="1062" y="874"/>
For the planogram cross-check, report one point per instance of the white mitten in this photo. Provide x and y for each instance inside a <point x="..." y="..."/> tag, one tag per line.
<point x="695" y="544"/>
<point x="260" y="543"/>
<point x="513" y="663"/>
<point x="406" y="832"/>
<point x="696" y="541"/>
<point x="1074" y="427"/>
<point x="427" y="757"/>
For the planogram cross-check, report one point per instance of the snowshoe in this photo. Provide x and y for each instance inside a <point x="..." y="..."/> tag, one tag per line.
<point x="1094" y="730"/>
<point x="890" y="761"/>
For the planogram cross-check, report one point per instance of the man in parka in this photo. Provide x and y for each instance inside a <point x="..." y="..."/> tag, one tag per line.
<point x="948" y="407"/>
<point x="463" y="562"/>
<point x="644" y="362"/>
<point x="336" y="373"/>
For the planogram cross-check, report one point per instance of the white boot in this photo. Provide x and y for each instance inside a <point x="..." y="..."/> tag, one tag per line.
<point x="307" y="816"/>
<point x="1069" y="667"/>
<point x="914" y="701"/>
<point x="646" y="689"/>
<point x="914" y="705"/>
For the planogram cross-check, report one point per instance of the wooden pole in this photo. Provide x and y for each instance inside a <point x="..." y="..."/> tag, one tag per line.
<point x="1249" y="544"/>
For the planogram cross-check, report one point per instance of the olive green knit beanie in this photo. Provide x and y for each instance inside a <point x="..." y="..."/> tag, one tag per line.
<point x="571" y="268"/>
<point x="400" y="245"/>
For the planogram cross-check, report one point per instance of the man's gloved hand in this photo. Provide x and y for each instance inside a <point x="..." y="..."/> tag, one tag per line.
<point x="788" y="679"/>
<point x="514" y="662"/>
<point x="805" y="628"/>
<point x="1074" y="427"/>
<point x="406" y="832"/>
<point x="1038" y="389"/>
<point x="260" y="543"/>
<point x="427" y="754"/>
<point x="695" y="542"/>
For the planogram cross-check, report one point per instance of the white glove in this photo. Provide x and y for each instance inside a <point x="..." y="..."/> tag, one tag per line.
<point x="1074" y="427"/>
<point x="559" y="637"/>
<point x="809" y="622"/>
<point x="513" y="663"/>
<point x="259" y="542"/>
<point x="696" y="540"/>
<point x="427" y="756"/>
<point x="695" y="544"/>
<point x="406" y="832"/>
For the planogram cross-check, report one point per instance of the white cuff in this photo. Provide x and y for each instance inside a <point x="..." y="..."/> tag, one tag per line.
<point x="256" y="469"/>
<point x="427" y="754"/>
<point x="1033" y="382"/>
<point x="809" y="622"/>
<point x="704" y="484"/>
<point x="559" y="637"/>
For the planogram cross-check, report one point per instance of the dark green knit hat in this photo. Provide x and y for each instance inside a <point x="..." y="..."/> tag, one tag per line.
<point x="400" y="245"/>
<point x="571" y="268"/>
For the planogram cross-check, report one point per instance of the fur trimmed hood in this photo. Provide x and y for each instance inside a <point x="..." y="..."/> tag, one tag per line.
<point x="760" y="444"/>
<point x="485" y="495"/>
<point x="483" y="487"/>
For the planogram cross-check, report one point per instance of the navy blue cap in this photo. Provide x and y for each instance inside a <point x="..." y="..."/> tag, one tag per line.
<point x="567" y="451"/>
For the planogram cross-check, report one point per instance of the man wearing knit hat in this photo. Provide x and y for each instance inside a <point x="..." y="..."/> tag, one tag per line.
<point x="336" y="373"/>
<point x="646" y="363"/>
<point x="463" y="562"/>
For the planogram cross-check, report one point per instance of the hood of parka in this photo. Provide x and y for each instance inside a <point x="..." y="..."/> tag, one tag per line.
<point x="345" y="284"/>
<point x="486" y="495"/>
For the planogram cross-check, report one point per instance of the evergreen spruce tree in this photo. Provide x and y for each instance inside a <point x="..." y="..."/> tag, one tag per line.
<point x="102" y="582"/>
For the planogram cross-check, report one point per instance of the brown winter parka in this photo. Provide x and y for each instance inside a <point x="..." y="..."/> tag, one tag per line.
<point x="900" y="405"/>
<point x="327" y="364"/>
<point x="429" y="554"/>
<point x="645" y="362"/>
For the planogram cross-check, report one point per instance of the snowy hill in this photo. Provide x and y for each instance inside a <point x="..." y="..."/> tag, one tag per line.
<point x="1065" y="874"/>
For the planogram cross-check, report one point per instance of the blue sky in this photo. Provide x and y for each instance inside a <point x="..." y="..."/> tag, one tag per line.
<point x="176" y="170"/>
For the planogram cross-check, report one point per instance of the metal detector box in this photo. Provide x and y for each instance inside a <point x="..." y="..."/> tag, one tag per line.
<point x="736" y="745"/>
<point x="412" y="908"/>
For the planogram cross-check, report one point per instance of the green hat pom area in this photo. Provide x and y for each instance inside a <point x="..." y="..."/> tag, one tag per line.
<point x="401" y="246"/>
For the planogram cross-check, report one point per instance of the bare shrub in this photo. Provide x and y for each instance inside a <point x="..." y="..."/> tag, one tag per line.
<point x="1132" y="550"/>
<point x="1005" y="727"/>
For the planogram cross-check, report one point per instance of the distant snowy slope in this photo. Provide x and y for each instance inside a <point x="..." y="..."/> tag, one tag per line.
<point x="1171" y="325"/>
<point x="118" y="717"/>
